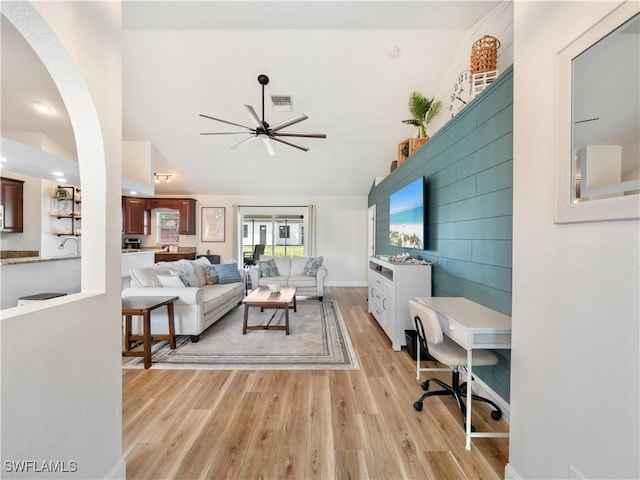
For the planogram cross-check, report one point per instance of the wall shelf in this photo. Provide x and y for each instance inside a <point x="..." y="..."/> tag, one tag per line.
<point x="71" y="194"/>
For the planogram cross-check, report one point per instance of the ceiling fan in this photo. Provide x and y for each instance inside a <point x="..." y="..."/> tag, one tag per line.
<point x="263" y="130"/>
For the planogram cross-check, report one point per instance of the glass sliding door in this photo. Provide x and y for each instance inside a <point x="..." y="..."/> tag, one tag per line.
<point x="290" y="238"/>
<point x="282" y="230"/>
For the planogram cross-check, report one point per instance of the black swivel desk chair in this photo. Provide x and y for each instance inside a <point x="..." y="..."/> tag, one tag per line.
<point x="252" y="258"/>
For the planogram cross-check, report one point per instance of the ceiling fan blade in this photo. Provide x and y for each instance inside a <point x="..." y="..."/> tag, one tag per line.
<point x="254" y="116"/>
<point x="268" y="145"/>
<point x="226" y="133"/>
<point x="224" y="121"/>
<point x="246" y="140"/>
<point x="291" y="144"/>
<point x="303" y="135"/>
<point x="286" y="123"/>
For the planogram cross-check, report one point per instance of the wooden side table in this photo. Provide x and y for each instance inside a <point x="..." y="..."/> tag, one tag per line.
<point x="143" y="306"/>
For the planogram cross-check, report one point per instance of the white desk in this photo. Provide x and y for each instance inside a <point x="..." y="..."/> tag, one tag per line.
<point x="471" y="325"/>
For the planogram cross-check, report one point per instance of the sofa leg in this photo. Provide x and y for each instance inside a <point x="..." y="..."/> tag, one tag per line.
<point x="195" y="338"/>
<point x="320" y="298"/>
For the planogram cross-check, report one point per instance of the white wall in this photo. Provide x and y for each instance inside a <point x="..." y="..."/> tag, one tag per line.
<point x="575" y="352"/>
<point x="61" y="363"/>
<point x="498" y="23"/>
<point x="22" y="280"/>
<point x="41" y="142"/>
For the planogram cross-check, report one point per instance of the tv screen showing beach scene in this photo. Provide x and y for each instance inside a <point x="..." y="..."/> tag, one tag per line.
<point x="406" y="216"/>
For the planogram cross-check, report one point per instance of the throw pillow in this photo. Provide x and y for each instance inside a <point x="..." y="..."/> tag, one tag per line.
<point x="198" y="267"/>
<point x="187" y="274"/>
<point x="311" y="268"/>
<point x="268" y="268"/>
<point x="212" y="275"/>
<point x="228" y="273"/>
<point x="170" y="281"/>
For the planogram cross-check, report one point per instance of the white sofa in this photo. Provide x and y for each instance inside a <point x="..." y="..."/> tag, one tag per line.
<point x="291" y="272"/>
<point x="200" y="305"/>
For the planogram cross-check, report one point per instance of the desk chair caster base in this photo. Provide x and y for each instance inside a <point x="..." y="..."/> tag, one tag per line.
<point x="459" y="392"/>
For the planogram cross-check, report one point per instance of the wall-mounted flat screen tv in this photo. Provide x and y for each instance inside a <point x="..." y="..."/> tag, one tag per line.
<point x="406" y="216"/>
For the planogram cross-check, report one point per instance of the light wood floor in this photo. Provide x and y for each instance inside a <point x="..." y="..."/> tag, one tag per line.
<point x="301" y="424"/>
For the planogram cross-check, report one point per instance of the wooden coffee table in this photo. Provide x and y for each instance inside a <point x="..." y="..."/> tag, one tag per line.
<point x="264" y="298"/>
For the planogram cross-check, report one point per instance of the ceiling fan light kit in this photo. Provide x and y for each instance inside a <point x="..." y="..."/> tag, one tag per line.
<point x="263" y="130"/>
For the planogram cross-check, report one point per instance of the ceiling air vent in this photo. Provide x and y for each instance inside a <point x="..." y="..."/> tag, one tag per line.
<point x="281" y="103"/>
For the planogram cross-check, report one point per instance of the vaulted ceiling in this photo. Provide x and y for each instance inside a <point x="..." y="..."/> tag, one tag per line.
<point x="349" y="66"/>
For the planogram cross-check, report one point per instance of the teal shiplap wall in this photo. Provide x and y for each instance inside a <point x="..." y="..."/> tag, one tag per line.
<point x="468" y="167"/>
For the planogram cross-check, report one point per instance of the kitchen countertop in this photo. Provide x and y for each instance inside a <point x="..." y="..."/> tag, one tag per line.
<point x="24" y="260"/>
<point x="126" y="251"/>
<point x="180" y="250"/>
<point x="36" y="259"/>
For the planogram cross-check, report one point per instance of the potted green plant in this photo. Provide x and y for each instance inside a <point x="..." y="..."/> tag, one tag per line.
<point x="423" y="110"/>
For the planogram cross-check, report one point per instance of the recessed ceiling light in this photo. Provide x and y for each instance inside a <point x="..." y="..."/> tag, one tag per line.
<point x="42" y="108"/>
<point x="57" y="174"/>
<point x="133" y="192"/>
<point x="62" y="180"/>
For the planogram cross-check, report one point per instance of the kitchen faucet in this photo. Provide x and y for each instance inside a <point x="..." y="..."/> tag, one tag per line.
<point x="61" y="247"/>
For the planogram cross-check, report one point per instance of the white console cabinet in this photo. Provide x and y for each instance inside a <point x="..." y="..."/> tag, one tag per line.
<point x="391" y="285"/>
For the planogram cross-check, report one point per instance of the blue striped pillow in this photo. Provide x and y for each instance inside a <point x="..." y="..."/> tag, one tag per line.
<point x="228" y="272"/>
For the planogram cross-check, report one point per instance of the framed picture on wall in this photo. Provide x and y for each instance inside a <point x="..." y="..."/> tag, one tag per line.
<point x="212" y="225"/>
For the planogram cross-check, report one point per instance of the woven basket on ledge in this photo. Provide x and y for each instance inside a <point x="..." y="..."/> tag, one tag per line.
<point x="484" y="55"/>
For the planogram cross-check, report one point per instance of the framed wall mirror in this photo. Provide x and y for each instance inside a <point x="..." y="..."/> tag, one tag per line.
<point x="598" y="152"/>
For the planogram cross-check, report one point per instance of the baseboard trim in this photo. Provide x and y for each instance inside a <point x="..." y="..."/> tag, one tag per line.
<point x="354" y="283"/>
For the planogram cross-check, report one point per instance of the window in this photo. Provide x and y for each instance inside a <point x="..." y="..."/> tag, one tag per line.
<point x="168" y="227"/>
<point x="280" y="229"/>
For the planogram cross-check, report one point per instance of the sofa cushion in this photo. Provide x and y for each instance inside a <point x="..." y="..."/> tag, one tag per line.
<point x="148" y="276"/>
<point x="228" y="273"/>
<point x="282" y="263"/>
<point x="216" y="295"/>
<point x="268" y="268"/>
<point x="280" y="280"/>
<point x="311" y="267"/>
<point x="301" y="281"/>
<point x="211" y="275"/>
<point x="170" y="281"/>
<point x="297" y="265"/>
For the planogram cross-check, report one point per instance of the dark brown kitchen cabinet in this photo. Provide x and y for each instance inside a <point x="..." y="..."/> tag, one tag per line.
<point x="186" y="207"/>
<point x="187" y="216"/>
<point x="136" y="211"/>
<point x="11" y="198"/>
<point x="135" y="216"/>
<point x="173" y="257"/>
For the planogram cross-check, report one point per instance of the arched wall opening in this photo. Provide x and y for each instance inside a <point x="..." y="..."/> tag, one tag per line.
<point x="61" y="364"/>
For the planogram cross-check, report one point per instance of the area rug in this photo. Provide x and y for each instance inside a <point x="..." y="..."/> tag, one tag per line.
<point x="317" y="340"/>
